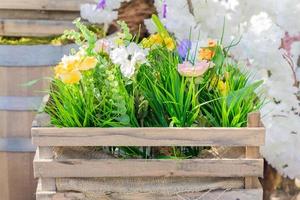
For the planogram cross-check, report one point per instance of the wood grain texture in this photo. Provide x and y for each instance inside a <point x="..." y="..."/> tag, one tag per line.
<point x="253" y="152"/>
<point x="160" y="185"/>
<point x="148" y="136"/>
<point x="16" y="103"/>
<point x="39" y="14"/>
<point x="16" y="176"/>
<point x="68" y="5"/>
<point x="45" y="184"/>
<point x="16" y="145"/>
<point x="43" y="195"/>
<point x="48" y="168"/>
<point x="12" y="78"/>
<point x="250" y="194"/>
<point x="25" y="56"/>
<point x="25" y="27"/>
<point x="8" y="122"/>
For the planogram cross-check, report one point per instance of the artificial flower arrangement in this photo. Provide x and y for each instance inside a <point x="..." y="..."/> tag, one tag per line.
<point x="153" y="82"/>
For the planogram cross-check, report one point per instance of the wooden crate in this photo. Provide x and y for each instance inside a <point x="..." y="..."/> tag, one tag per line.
<point x="48" y="170"/>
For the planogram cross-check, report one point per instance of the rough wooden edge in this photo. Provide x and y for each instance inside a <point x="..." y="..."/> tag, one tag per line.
<point x="40" y="28"/>
<point x="18" y="103"/>
<point x="159" y="185"/>
<point x="147" y="136"/>
<point x="43" y="195"/>
<point x="45" y="184"/>
<point x="233" y="194"/>
<point x="253" y="152"/>
<point x="38" y="14"/>
<point x="25" y="55"/>
<point x="240" y="194"/>
<point x="16" y="145"/>
<point x="60" y="5"/>
<point x="66" y="168"/>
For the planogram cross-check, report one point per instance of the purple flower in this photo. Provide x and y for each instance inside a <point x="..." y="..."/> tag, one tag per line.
<point x="183" y="48"/>
<point x="101" y="4"/>
<point x="164" y="9"/>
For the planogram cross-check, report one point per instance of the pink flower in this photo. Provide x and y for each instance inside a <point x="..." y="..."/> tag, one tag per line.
<point x="189" y="70"/>
<point x="287" y="41"/>
<point x="102" y="46"/>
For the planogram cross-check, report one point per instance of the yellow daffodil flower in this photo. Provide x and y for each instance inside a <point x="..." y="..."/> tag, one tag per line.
<point x="159" y="39"/>
<point x="71" y="77"/>
<point x="146" y="43"/>
<point x="223" y="87"/>
<point x="87" y="63"/>
<point x="69" y="69"/>
<point x="156" y="39"/>
<point x="170" y="44"/>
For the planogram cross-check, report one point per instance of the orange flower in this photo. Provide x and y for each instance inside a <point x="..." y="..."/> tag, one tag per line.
<point x="211" y="43"/>
<point x="206" y="54"/>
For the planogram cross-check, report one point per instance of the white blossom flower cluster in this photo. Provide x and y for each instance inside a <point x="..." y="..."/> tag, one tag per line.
<point x="105" y="15"/>
<point x="270" y="46"/>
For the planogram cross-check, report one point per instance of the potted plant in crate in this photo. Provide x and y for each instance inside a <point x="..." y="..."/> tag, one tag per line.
<point x="145" y="120"/>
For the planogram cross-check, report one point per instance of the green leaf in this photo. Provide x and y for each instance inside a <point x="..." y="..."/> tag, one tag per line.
<point x="159" y="25"/>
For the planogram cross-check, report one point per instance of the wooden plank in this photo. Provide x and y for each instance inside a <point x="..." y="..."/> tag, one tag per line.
<point x="12" y="80"/>
<point x="16" y="176"/>
<point x="253" y="152"/>
<point x="45" y="184"/>
<point x="14" y="27"/>
<point x="15" y="103"/>
<point x="16" y="145"/>
<point x="235" y="194"/>
<point x="148" y="136"/>
<point x="39" y="15"/>
<point x="43" y="195"/>
<point x="8" y="122"/>
<point x="67" y="5"/>
<point x="169" y="185"/>
<point x="25" y="56"/>
<point x="48" y="168"/>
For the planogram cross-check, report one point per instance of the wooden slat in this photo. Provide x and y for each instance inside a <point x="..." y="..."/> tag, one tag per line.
<point x="14" y="27"/>
<point x="235" y="194"/>
<point x="16" y="145"/>
<point x="253" y="152"/>
<point x="43" y="195"/>
<point x="15" y="103"/>
<point x="45" y="184"/>
<point x="148" y="136"/>
<point x="169" y="185"/>
<point x="25" y="56"/>
<point x="16" y="176"/>
<point x="48" y="168"/>
<point x="38" y="14"/>
<point x="8" y="122"/>
<point x="68" y="5"/>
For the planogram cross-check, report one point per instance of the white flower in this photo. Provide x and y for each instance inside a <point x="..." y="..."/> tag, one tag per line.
<point x="101" y="16"/>
<point x="93" y="15"/>
<point x="128" y="58"/>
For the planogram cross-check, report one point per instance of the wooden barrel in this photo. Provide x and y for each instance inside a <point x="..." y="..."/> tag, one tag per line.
<point x="18" y="104"/>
